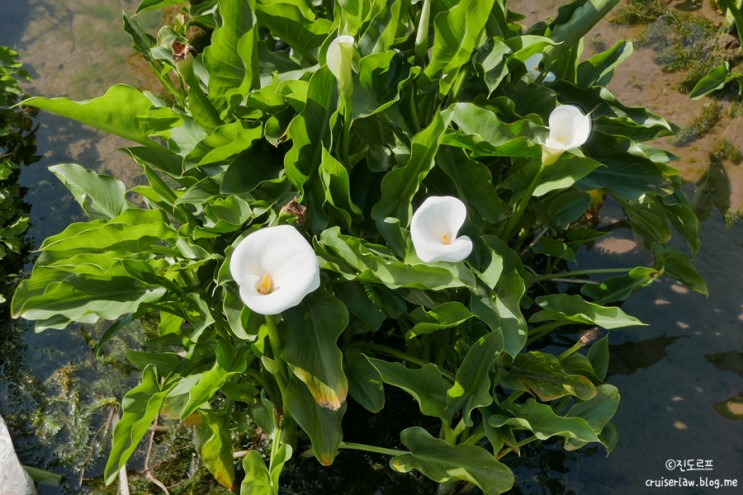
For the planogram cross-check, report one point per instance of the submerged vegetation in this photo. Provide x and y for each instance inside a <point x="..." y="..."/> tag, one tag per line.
<point x="438" y="188"/>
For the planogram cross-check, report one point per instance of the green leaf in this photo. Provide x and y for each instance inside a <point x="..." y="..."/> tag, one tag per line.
<point x="616" y="289"/>
<point x="100" y="196"/>
<point x="134" y="230"/>
<point x="541" y="420"/>
<point x="310" y="131"/>
<point x="679" y="266"/>
<point x="356" y="260"/>
<point x="257" y="479"/>
<point x="146" y="5"/>
<point x="123" y="111"/>
<point x="336" y="184"/>
<point x="446" y="315"/>
<point x="214" y="442"/>
<point x="599" y="69"/>
<point x="364" y="382"/>
<point x="140" y="407"/>
<point x="382" y="77"/>
<point x="232" y="56"/>
<point x="309" y="347"/>
<point x="568" y="170"/>
<point x="457" y="32"/>
<point x="230" y="361"/>
<point x="223" y="144"/>
<point x="442" y="462"/>
<point x="321" y="424"/>
<point x="294" y="23"/>
<point x="498" y="303"/>
<point x="598" y="355"/>
<point x="565" y="208"/>
<point x="400" y="185"/>
<point x="597" y="412"/>
<point x="573" y="308"/>
<point x="543" y="375"/>
<point x="426" y="385"/>
<point x="473" y="386"/>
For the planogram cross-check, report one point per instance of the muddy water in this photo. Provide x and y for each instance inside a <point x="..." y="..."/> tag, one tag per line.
<point x="681" y="376"/>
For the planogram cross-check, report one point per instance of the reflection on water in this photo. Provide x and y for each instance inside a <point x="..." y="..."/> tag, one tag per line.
<point x="630" y="357"/>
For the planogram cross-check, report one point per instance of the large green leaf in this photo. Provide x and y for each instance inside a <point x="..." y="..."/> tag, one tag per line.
<point x="310" y="130"/>
<point x="543" y="375"/>
<point x="309" y="346"/>
<point x="400" y="185"/>
<point x="336" y="184"/>
<point x="123" y="111"/>
<point x="445" y="315"/>
<point x="599" y="69"/>
<point x="365" y="383"/>
<point x="496" y="300"/>
<point x="214" y="442"/>
<point x="597" y="412"/>
<point x="443" y="462"/>
<point x="426" y="385"/>
<point x="258" y="480"/>
<point x="473" y="385"/>
<point x="140" y="407"/>
<point x="100" y="196"/>
<point x="321" y="424"/>
<point x="541" y="420"/>
<point x="568" y="170"/>
<point x="457" y="32"/>
<point x="232" y="56"/>
<point x="294" y="23"/>
<point x="354" y="259"/>
<point x="223" y="144"/>
<point x="617" y="289"/>
<point x="573" y="308"/>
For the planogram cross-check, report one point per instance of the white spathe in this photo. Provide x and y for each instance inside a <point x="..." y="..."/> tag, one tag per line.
<point x="434" y="229"/>
<point x="569" y="128"/>
<point x="533" y="68"/>
<point x="275" y="268"/>
<point x="13" y="478"/>
<point x="339" y="59"/>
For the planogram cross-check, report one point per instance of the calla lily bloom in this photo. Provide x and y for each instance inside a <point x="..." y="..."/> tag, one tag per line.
<point x="275" y="268"/>
<point x="434" y="229"/>
<point x="533" y="68"/>
<point x="339" y="59"/>
<point x="569" y="128"/>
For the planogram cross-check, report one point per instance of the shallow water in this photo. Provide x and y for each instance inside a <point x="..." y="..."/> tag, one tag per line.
<point x="681" y="377"/>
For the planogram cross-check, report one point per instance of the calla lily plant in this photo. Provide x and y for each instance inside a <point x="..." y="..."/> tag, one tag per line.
<point x="434" y="229"/>
<point x="569" y="128"/>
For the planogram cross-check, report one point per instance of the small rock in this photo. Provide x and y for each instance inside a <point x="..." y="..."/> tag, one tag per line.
<point x="13" y="478"/>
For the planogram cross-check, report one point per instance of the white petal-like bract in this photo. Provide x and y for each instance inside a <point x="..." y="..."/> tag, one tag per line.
<point x="339" y="59"/>
<point x="434" y="229"/>
<point x="569" y="128"/>
<point x="275" y="268"/>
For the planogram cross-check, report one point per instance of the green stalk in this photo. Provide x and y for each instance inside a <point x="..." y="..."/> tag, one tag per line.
<point x="578" y="273"/>
<point x="346" y="140"/>
<point x="515" y="218"/>
<point x="539" y="332"/>
<point x="275" y="446"/>
<point x="371" y="448"/>
<point x="273" y="338"/>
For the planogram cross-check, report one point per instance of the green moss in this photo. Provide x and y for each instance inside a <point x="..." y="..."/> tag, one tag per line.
<point x="639" y="12"/>
<point x="724" y="150"/>
<point x="702" y="124"/>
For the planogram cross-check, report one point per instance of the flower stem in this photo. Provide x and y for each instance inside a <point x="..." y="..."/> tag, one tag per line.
<point x="539" y="332"/>
<point x="273" y="338"/>
<point x="521" y="205"/>
<point x="371" y="448"/>
<point x="577" y="273"/>
<point x="346" y="140"/>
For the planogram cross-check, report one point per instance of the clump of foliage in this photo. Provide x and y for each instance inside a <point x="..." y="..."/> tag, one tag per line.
<point x="17" y="147"/>
<point x="639" y="12"/>
<point x="700" y="125"/>
<point x="298" y="240"/>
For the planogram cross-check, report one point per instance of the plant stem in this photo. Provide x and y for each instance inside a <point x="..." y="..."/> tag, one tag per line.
<point x="371" y="448"/>
<point x="539" y="332"/>
<point x="577" y="273"/>
<point x="273" y="338"/>
<point x="526" y="441"/>
<point x="275" y="445"/>
<point x="515" y="218"/>
<point x="346" y="140"/>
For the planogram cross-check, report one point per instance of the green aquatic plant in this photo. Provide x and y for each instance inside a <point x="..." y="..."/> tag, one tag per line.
<point x="336" y="124"/>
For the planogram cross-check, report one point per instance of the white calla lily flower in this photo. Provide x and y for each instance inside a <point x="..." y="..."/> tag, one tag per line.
<point x="434" y="229"/>
<point x="569" y="128"/>
<point x="275" y="268"/>
<point x="339" y="59"/>
<point x="533" y="68"/>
